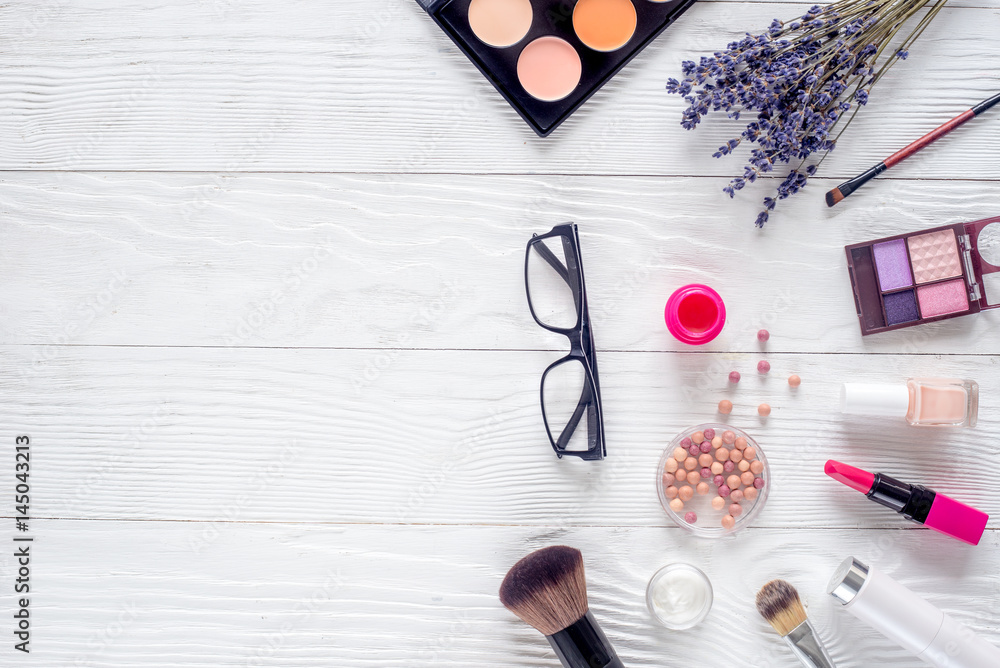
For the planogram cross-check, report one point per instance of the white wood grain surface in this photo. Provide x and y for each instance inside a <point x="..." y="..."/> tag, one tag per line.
<point x="263" y="317"/>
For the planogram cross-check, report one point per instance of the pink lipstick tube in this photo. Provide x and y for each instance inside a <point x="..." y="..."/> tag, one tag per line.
<point x="909" y="620"/>
<point x="914" y="502"/>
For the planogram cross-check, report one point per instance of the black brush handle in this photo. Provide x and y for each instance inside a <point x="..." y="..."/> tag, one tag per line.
<point x="583" y="644"/>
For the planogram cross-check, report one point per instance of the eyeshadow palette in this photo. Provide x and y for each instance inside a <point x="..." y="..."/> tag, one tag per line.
<point x="547" y="57"/>
<point x="926" y="276"/>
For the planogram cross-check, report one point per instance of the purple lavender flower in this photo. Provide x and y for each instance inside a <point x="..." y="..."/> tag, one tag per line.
<point x="797" y="81"/>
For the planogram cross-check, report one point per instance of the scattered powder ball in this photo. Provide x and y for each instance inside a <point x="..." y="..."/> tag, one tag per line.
<point x="670" y="492"/>
<point x="725" y="407"/>
<point x="690" y="518"/>
<point x="728" y="522"/>
<point x="702" y="488"/>
<point x="735" y="509"/>
<point x="740" y="443"/>
<point x="743" y="465"/>
<point x="763" y="366"/>
<point x="763" y="410"/>
<point x="717" y="468"/>
<point x="719" y="503"/>
<point x="750" y="493"/>
<point x="680" y="454"/>
<point x="686" y="493"/>
<point x="670" y="466"/>
<point x="763" y="335"/>
<point x="728" y="437"/>
<point x="794" y="380"/>
<point x="734" y="376"/>
<point x="677" y="505"/>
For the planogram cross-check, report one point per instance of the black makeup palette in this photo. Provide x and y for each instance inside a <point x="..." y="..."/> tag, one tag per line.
<point x="931" y="275"/>
<point x="547" y="57"/>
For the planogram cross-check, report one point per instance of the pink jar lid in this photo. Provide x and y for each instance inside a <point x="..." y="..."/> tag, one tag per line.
<point x="695" y="314"/>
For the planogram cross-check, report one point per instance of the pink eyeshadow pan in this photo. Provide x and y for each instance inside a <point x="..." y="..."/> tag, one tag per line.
<point x="943" y="298"/>
<point x="934" y="256"/>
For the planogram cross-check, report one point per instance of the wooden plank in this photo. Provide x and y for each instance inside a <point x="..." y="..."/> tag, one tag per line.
<point x="300" y="595"/>
<point x="212" y="435"/>
<point x="406" y="261"/>
<point x="362" y="86"/>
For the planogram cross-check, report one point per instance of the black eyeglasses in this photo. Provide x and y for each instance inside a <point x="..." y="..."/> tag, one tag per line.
<point x="557" y="297"/>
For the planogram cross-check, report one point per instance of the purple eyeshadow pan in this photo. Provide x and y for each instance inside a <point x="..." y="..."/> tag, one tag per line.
<point x="893" y="265"/>
<point x="901" y="307"/>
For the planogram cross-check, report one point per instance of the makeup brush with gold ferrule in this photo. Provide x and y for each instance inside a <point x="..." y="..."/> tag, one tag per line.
<point x="548" y="590"/>
<point x="778" y="602"/>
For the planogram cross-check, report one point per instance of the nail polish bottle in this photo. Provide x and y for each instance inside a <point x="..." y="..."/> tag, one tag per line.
<point x="923" y="402"/>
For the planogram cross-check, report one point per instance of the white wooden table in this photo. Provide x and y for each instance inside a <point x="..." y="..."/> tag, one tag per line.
<point x="263" y="320"/>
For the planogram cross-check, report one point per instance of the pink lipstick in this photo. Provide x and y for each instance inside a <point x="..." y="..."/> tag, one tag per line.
<point x="914" y="502"/>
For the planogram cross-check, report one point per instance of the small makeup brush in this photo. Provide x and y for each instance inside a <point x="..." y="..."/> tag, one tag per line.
<point x="848" y="187"/>
<point x="548" y="590"/>
<point x="778" y="602"/>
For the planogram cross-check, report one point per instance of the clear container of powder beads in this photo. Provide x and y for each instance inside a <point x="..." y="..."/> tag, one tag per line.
<point x="713" y="480"/>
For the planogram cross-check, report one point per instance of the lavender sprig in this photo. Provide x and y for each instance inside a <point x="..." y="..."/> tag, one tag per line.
<point x="801" y="78"/>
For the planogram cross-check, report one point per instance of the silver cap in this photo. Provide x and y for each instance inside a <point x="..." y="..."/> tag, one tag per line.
<point x="848" y="580"/>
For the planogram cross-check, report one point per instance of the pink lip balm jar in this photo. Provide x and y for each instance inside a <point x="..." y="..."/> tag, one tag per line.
<point x="695" y="314"/>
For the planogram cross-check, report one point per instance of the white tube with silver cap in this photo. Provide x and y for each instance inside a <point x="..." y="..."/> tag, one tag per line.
<point x="909" y="620"/>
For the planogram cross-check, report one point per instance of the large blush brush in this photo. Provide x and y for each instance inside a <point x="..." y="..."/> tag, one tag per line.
<point x="778" y="602"/>
<point x="845" y="189"/>
<point x="547" y="589"/>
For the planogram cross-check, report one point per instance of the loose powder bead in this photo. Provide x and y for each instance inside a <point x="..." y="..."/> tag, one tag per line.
<point x="743" y="466"/>
<point x="685" y="493"/>
<point x="758" y="482"/>
<point x="681" y="475"/>
<point x="736" y="456"/>
<point x="756" y="467"/>
<point x="670" y="466"/>
<point x="722" y="454"/>
<point x="686" y="443"/>
<point x="736" y="496"/>
<point x="735" y="509"/>
<point x="717" y="468"/>
<point x="733" y="481"/>
<point x="668" y="479"/>
<point x="740" y="443"/>
<point x="690" y="463"/>
<point x="750" y="453"/>
<point x="719" y="481"/>
<point x="724" y="490"/>
<point x="763" y="335"/>
<point x="734" y="376"/>
<point x="697" y="437"/>
<point x="729" y="467"/>
<point x="690" y="517"/>
<point x="748" y="478"/>
<point x="702" y="488"/>
<point x="706" y="473"/>
<point x="717" y="442"/>
<point x="670" y="492"/>
<point x="709" y="433"/>
<point x="718" y="503"/>
<point x="680" y="454"/>
<point x="705" y="460"/>
<point x="706" y="446"/>
<point x="763" y="366"/>
<point x="728" y="522"/>
<point x="750" y="493"/>
<point x="728" y="437"/>
<point x="794" y="380"/>
<point x="694" y="450"/>
<point x="763" y="410"/>
<point x="677" y="505"/>
<point x="725" y="407"/>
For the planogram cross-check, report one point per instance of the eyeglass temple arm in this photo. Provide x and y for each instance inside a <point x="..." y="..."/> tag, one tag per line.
<point x="586" y="399"/>
<point x="551" y="258"/>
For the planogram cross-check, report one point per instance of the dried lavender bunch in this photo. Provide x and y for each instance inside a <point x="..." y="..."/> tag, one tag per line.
<point x="801" y="78"/>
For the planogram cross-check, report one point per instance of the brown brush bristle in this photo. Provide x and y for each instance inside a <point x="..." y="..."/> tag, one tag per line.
<point x="547" y="589"/>
<point x="833" y="197"/>
<point x="779" y="604"/>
